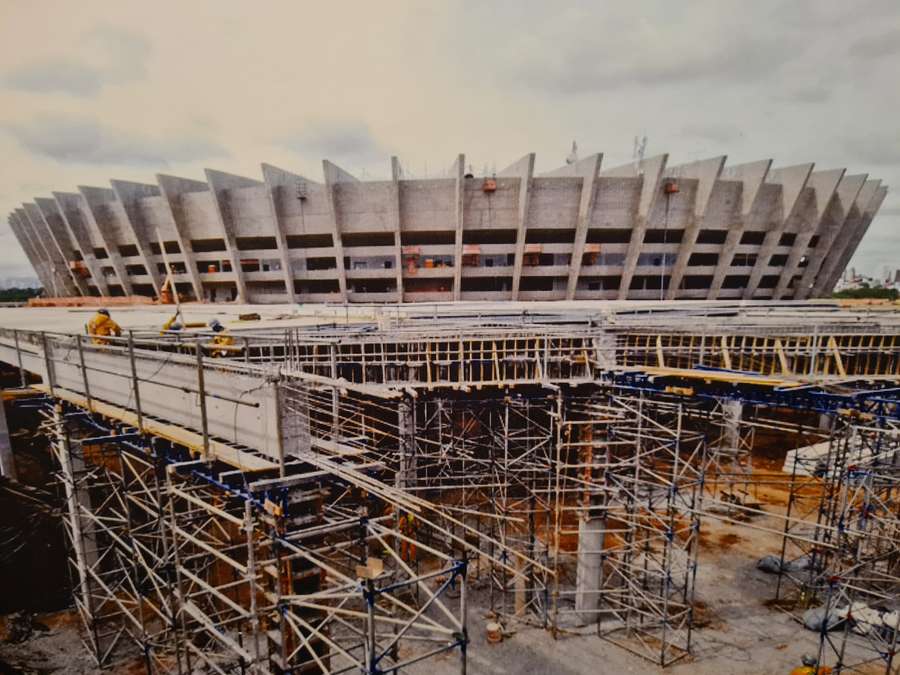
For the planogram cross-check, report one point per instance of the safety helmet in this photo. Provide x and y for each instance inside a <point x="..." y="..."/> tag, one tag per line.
<point x="808" y="660"/>
<point x="103" y="311"/>
<point x="216" y="326"/>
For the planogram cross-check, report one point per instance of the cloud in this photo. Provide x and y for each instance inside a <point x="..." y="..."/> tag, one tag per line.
<point x="876" y="46"/>
<point x="119" y="57"/>
<point x="875" y="149"/>
<point x="350" y="143"/>
<point x="713" y="131"/>
<point x="608" y="47"/>
<point x="814" y="93"/>
<point x="71" y="140"/>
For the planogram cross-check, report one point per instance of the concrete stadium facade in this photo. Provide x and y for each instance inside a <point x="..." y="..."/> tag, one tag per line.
<point x="646" y="230"/>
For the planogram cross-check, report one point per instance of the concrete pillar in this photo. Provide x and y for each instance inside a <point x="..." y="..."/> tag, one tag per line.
<point x="524" y="171"/>
<point x="459" y="197"/>
<point x="334" y="175"/>
<point x="7" y="461"/>
<point x="589" y="568"/>
<point x="406" y="430"/>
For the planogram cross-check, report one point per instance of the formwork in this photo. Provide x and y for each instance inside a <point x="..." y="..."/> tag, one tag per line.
<point x="325" y="499"/>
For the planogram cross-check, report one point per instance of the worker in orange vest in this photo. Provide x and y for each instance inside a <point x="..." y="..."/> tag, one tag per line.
<point x="101" y="326"/>
<point x="407" y="526"/>
<point x="810" y="667"/>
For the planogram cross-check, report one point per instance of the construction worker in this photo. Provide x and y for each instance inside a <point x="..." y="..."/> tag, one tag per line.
<point x="101" y="326"/>
<point x="220" y="342"/>
<point x="809" y="667"/>
<point x="172" y="324"/>
<point x="407" y="526"/>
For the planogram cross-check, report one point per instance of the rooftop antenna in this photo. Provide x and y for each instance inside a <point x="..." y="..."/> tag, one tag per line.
<point x="573" y="155"/>
<point x="637" y="154"/>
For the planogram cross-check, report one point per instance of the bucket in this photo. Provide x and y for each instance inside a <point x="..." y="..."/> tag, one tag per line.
<point x="494" y="632"/>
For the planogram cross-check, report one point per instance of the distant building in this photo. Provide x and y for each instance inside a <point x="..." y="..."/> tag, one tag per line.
<point x="645" y="230"/>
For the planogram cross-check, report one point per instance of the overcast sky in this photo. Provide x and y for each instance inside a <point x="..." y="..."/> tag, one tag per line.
<point x="95" y="90"/>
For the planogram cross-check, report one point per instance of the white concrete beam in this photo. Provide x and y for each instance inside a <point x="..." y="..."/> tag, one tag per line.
<point x="835" y="217"/>
<point x="706" y="172"/>
<point x="524" y="171"/>
<point x="96" y="202"/>
<point x="751" y="177"/>
<point x="220" y="183"/>
<point x="824" y="183"/>
<point x="793" y="180"/>
<point x="129" y="194"/>
<point x="334" y="175"/>
<point x="69" y="207"/>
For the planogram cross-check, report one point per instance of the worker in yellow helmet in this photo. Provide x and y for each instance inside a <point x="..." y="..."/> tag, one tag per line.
<point x="101" y="326"/>
<point x="172" y="324"/>
<point x="220" y="342"/>
<point x="810" y="667"/>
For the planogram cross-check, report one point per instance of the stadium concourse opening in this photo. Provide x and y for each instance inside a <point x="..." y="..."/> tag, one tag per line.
<point x="427" y="487"/>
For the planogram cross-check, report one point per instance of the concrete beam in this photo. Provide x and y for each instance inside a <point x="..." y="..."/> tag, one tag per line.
<point x="587" y="169"/>
<point x="650" y="171"/>
<point x="334" y="175"/>
<point x="220" y="183"/>
<point x="62" y="238"/>
<point x="706" y="172"/>
<point x="871" y="196"/>
<point x="130" y="194"/>
<point x="830" y="228"/>
<point x="824" y="184"/>
<point x="459" y="194"/>
<point x="751" y="177"/>
<point x="524" y="171"/>
<point x="59" y="266"/>
<point x="793" y="180"/>
<point x="171" y="188"/>
<point x="96" y="207"/>
<point x="69" y="207"/>
<point x="7" y="461"/>
<point x="396" y="220"/>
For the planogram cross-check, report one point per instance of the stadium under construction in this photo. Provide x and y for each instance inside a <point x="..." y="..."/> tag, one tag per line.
<point x="383" y="489"/>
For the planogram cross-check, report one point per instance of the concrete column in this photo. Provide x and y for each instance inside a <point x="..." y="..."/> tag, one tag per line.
<point x="829" y="229"/>
<point x="824" y="184"/>
<point x="67" y="205"/>
<point x="25" y="242"/>
<point x="7" y="461"/>
<point x="587" y="169"/>
<point x="793" y="180"/>
<point x="278" y="183"/>
<point x="650" y="171"/>
<point x="334" y="175"/>
<point x="172" y="188"/>
<point x="56" y="263"/>
<point x="220" y="183"/>
<point x="59" y="241"/>
<point x="406" y="432"/>
<point x="396" y="221"/>
<point x="459" y="196"/>
<point x="524" y="171"/>
<point x="96" y="208"/>
<point x="706" y="172"/>
<point x="869" y="209"/>
<point x="751" y="176"/>
<point x="129" y="195"/>
<point x="589" y="568"/>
